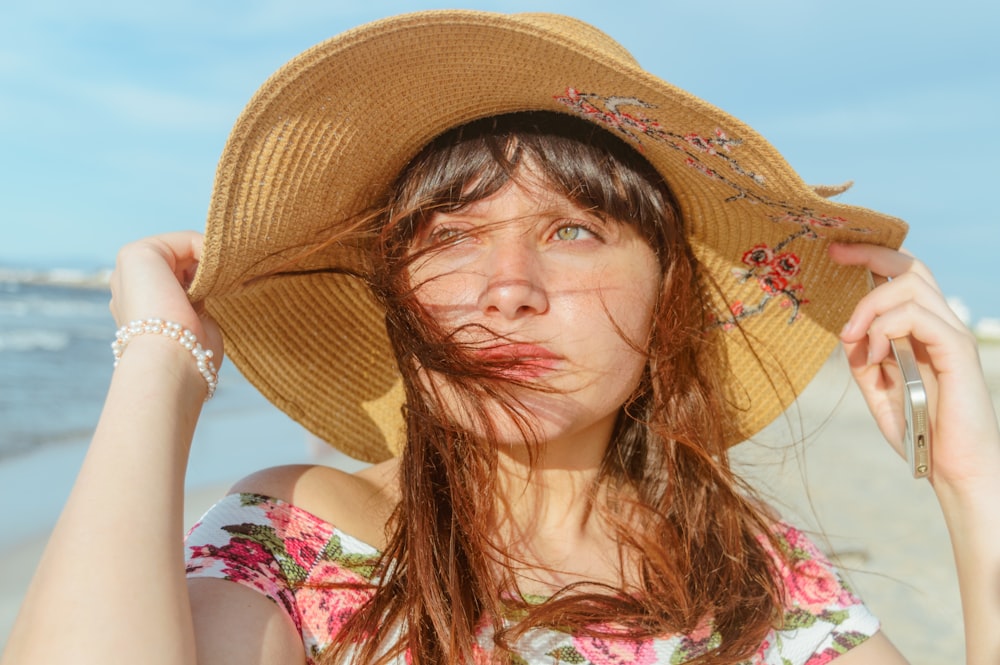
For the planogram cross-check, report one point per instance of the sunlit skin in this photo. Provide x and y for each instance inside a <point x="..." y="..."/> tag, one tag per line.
<point x="527" y="274"/>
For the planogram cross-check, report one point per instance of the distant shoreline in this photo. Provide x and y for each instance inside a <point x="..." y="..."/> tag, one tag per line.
<point x="64" y="277"/>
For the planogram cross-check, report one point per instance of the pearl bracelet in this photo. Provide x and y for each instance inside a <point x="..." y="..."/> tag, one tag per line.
<point x="172" y="330"/>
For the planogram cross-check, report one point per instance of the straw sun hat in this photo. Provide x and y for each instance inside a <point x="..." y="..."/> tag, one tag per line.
<point x="326" y="135"/>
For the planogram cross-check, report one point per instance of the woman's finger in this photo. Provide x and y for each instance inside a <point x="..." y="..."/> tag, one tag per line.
<point x="881" y="260"/>
<point x="908" y="288"/>
<point x="151" y="278"/>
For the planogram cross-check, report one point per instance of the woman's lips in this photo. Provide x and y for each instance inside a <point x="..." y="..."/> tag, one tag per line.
<point x="520" y="360"/>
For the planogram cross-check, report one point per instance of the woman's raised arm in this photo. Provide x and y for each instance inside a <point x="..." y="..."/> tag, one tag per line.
<point x="964" y="431"/>
<point x="110" y="586"/>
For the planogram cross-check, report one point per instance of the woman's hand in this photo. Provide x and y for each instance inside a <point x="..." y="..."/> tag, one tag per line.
<point x="965" y="440"/>
<point x="151" y="279"/>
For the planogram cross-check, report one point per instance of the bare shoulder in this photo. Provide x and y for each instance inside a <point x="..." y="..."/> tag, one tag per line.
<point x="356" y="503"/>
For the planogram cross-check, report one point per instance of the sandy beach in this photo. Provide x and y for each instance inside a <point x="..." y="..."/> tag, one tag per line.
<point x="844" y="484"/>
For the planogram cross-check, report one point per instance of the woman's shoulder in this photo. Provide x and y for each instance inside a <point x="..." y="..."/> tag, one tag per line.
<point x="358" y="504"/>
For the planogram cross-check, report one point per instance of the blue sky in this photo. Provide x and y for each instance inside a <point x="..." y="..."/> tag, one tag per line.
<point x="114" y="113"/>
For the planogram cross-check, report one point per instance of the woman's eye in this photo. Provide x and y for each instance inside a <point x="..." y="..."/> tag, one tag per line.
<point x="573" y="232"/>
<point x="444" y="234"/>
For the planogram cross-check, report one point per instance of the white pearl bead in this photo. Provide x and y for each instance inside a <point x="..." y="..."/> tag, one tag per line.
<point x="203" y="357"/>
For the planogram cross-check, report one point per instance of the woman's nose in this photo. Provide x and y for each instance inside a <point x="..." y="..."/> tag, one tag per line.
<point x="513" y="282"/>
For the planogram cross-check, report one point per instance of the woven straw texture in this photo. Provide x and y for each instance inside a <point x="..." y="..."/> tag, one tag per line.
<point x="324" y="138"/>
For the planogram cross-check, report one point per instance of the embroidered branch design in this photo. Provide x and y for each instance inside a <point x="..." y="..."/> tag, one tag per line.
<point x="774" y="269"/>
<point x="608" y="111"/>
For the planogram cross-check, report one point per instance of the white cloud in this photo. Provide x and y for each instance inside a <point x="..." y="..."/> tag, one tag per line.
<point x="988" y="329"/>
<point x="961" y="310"/>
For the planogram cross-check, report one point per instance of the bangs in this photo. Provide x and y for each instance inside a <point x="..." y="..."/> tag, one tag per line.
<point x="584" y="163"/>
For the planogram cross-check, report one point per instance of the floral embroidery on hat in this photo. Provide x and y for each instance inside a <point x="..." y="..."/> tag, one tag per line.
<point x="773" y="269"/>
<point x="608" y="111"/>
<point x="611" y="115"/>
<point x="811" y="222"/>
<point x="710" y="145"/>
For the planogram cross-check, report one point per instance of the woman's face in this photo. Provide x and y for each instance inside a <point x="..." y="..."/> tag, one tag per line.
<point x="525" y="275"/>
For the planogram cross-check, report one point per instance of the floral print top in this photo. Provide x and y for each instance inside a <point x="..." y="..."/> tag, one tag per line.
<point x="294" y="558"/>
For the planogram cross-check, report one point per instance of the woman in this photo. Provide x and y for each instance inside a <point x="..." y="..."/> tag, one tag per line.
<point x="545" y="292"/>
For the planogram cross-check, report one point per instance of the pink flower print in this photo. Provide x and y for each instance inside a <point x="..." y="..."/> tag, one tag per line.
<point x="758" y="255"/>
<point x="481" y="656"/>
<point x="824" y="657"/>
<point x="760" y="656"/>
<point x="203" y="551"/>
<point x="332" y="572"/>
<point x="810" y="581"/>
<point x="246" y="553"/>
<point x="201" y="557"/>
<point x="814" y="587"/>
<point x="291" y="523"/>
<point x="737" y="308"/>
<point x="610" y="651"/>
<point x="325" y="610"/>
<point x="703" y="632"/>
<point x="303" y="550"/>
<point x="248" y="561"/>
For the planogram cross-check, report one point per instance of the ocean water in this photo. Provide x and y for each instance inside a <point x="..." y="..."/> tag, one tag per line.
<point x="55" y="362"/>
<point x="55" y="365"/>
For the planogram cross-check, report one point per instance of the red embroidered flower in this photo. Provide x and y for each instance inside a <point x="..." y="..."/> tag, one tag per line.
<point x="700" y="143"/>
<point x="758" y="255"/>
<point x="772" y="283"/>
<point x="786" y="264"/>
<point x="736" y="308"/>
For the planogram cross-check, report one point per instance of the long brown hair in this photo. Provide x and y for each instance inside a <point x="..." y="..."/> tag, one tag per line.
<point x="687" y="522"/>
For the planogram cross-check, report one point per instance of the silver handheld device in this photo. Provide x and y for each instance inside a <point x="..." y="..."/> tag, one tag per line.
<point x="916" y="440"/>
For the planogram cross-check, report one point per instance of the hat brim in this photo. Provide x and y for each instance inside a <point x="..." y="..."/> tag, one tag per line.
<point x="324" y="138"/>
